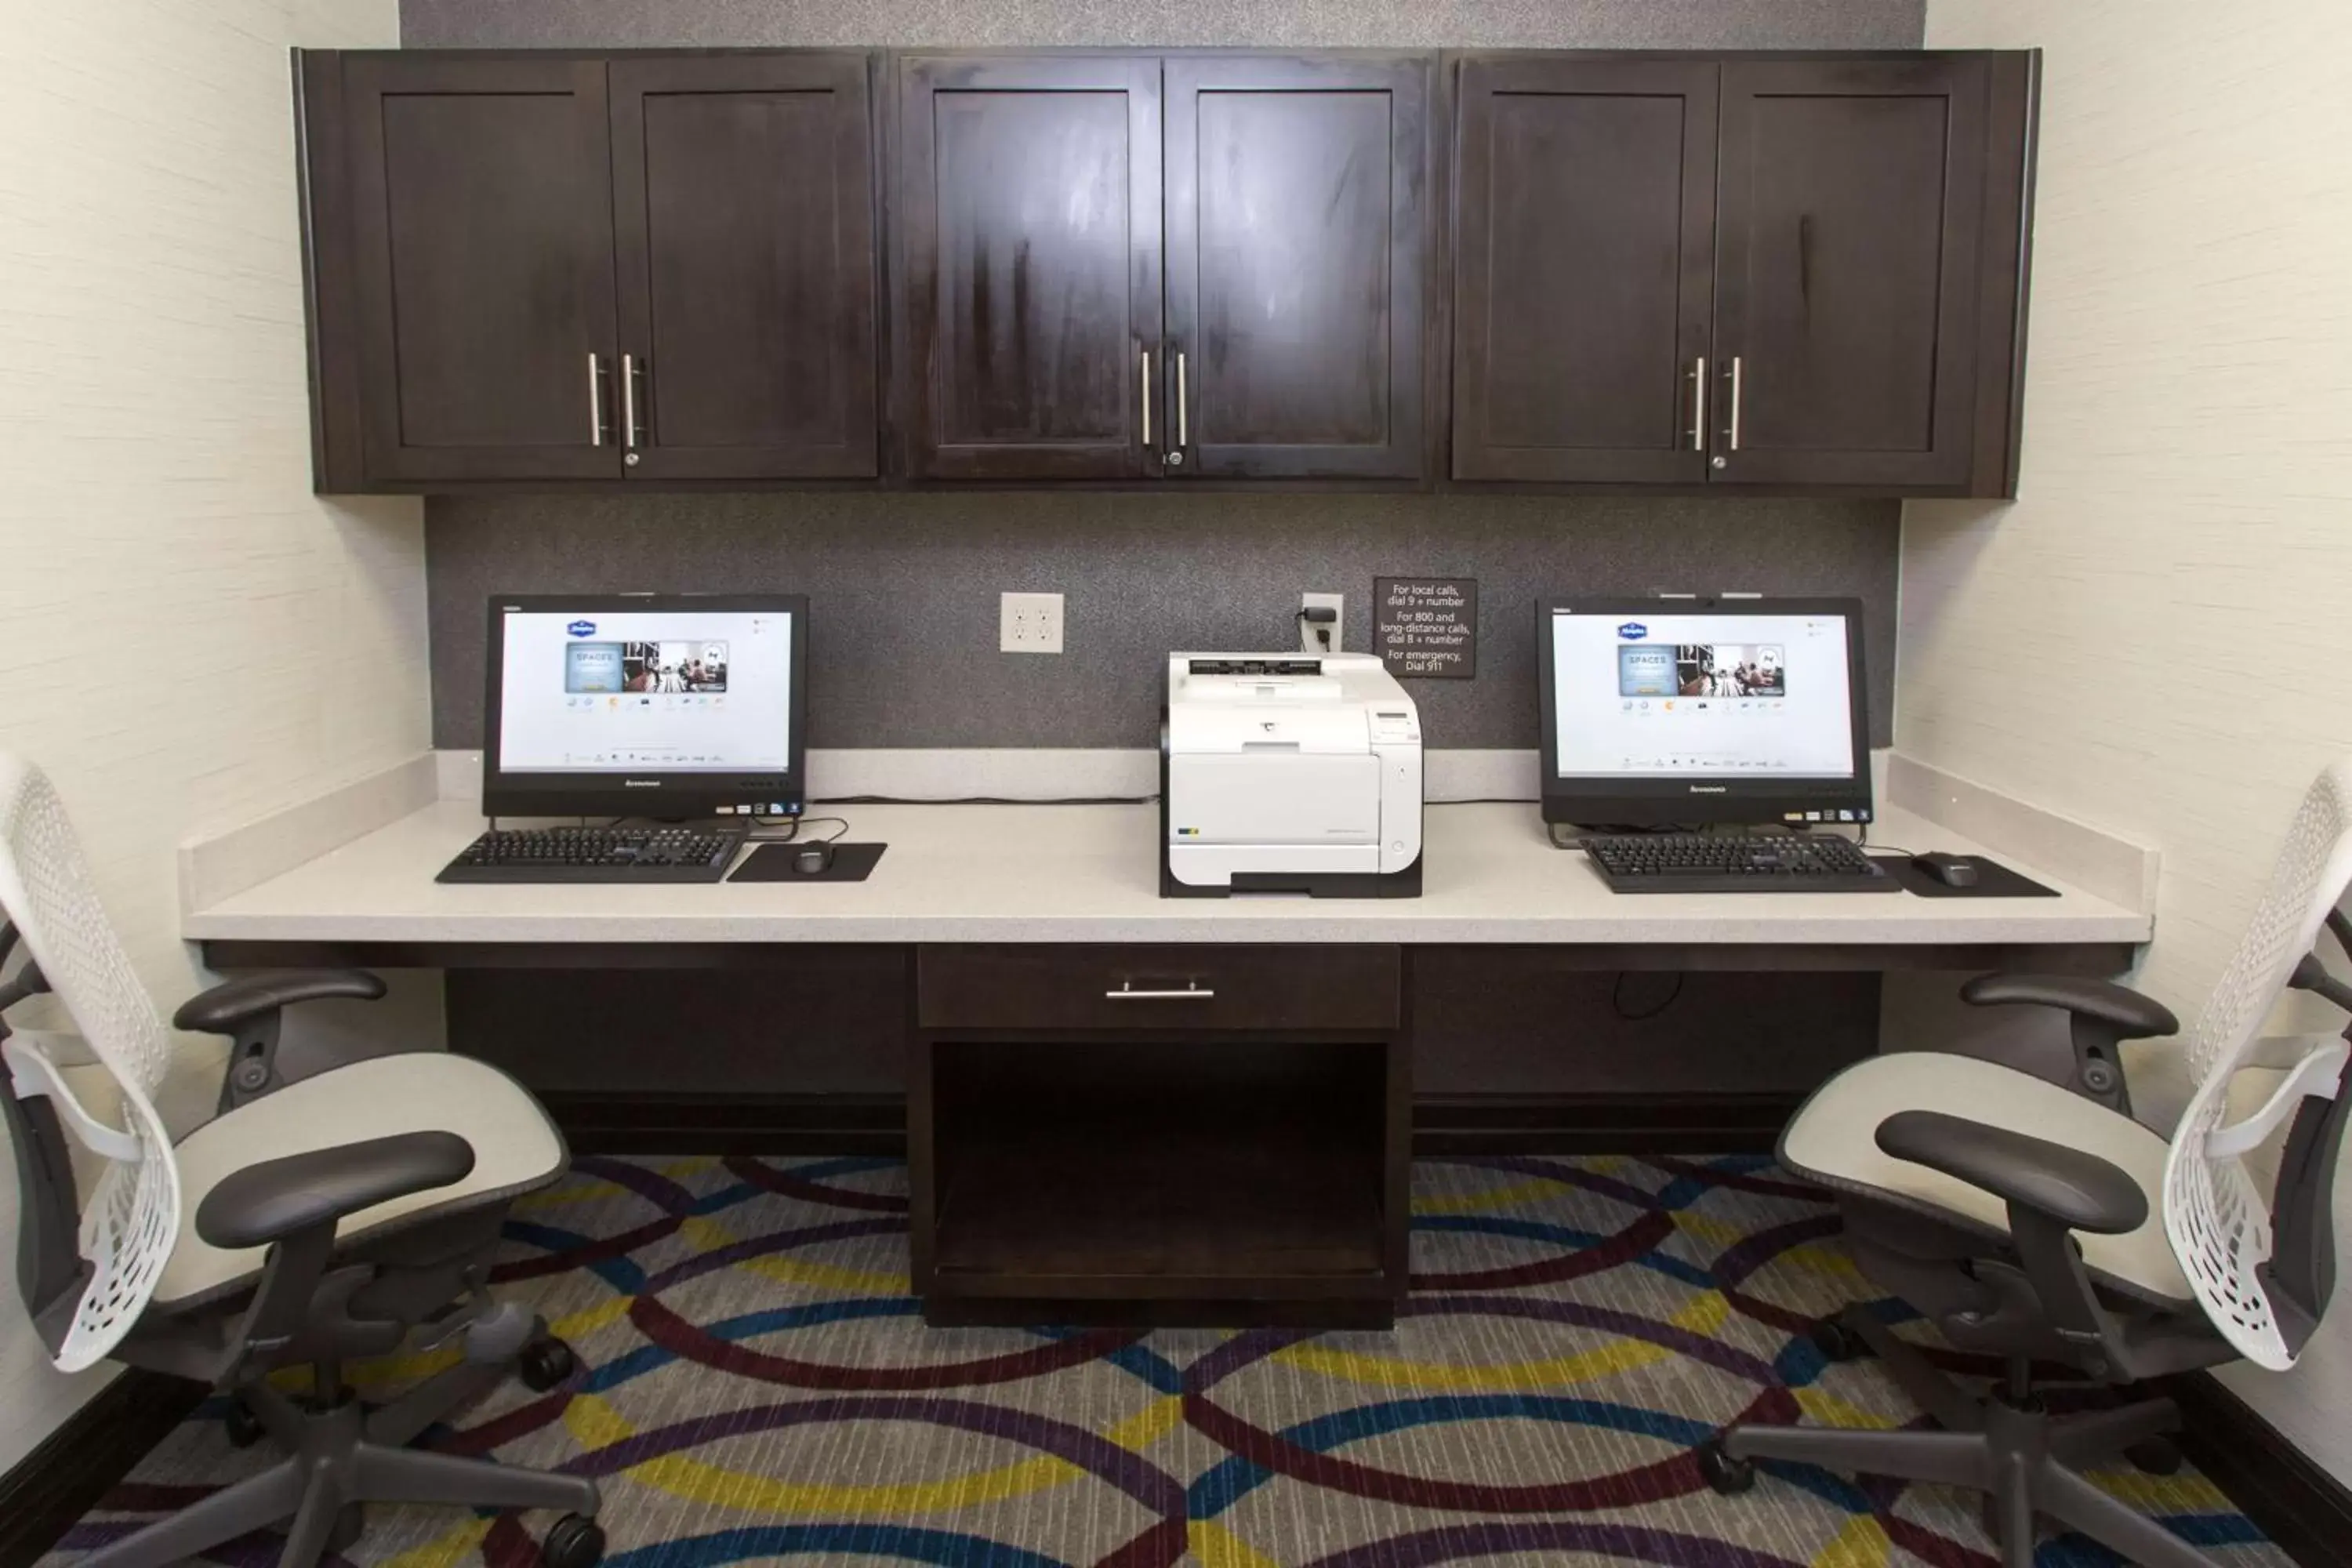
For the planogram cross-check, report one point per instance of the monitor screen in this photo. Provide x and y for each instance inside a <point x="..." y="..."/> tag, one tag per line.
<point x="1749" y="706"/>
<point x="1702" y="695"/>
<point x="658" y="690"/>
<point x="681" y="702"/>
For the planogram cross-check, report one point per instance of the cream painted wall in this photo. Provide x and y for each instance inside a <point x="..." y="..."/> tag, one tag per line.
<point x="2146" y="639"/>
<point x="191" y="639"/>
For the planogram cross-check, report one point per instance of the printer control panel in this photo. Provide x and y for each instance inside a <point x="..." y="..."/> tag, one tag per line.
<point x="1394" y="726"/>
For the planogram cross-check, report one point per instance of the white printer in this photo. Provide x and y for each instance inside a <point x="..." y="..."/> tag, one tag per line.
<point x="1289" y="773"/>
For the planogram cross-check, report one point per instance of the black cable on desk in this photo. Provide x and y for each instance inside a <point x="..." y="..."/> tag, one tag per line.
<point x="1861" y="841"/>
<point x="792" y="825"/>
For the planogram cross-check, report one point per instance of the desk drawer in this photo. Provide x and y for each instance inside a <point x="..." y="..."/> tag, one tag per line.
<point x="1025" y="987"/>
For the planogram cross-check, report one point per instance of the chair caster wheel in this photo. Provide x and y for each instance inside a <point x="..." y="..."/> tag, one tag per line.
<point x="1720" y="1470"/>
<point x="1836" y="1342"/>
<point x="243" y="1426"/>
<point x="572" y="1541"/>
<point x="2157" y="1457"/>
<point x="546" y="1363"/>
<point x="351" y="1521"/>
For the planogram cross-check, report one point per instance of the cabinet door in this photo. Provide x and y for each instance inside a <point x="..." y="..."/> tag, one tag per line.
<point x="743" y="195"/>
<point x="1852" y="216"/>
<point x="1297" y="201"/>
<point x="482" y="220"/>
<point x="1027" y="208"/>
<point x="1584" y="269"/>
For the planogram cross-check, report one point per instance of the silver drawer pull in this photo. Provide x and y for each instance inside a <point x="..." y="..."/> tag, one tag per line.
<point x="1193" y="992"/>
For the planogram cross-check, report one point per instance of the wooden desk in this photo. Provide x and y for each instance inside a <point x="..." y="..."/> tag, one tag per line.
<point x="1234" y="1151"/>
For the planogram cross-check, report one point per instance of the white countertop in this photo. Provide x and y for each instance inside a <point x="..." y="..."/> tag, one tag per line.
<point x="1089" y="873"/>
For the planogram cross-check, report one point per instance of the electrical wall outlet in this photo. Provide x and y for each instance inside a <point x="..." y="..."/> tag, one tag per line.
<point x="1308" y="642"/>
<point x="1029" y="623"/>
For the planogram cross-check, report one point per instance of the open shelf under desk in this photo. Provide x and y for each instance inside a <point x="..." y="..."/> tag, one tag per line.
<point x="1081" y="1212"/>
<point x="1123" y="1172"/>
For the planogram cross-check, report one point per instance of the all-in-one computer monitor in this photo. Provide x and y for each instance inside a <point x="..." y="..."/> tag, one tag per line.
<point x="1689" y="711"/>
<point x="669" y="706"/>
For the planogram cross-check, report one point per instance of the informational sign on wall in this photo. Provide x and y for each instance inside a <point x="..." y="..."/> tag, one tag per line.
<point x="1426" y="626"/>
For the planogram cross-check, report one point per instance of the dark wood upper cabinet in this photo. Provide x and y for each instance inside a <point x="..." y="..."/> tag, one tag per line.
<point x="1792" y="273"/>
<point x="1853" y="229"/>
<point x="481" y="206"/>
<point x="1298" y="211"/>
<point x="1840" y="240"/>
<point x="743" y="199"/>
<point x="562" y="269"/>
<point x="1028" y="217"/>
<point x="1584" y="269"/>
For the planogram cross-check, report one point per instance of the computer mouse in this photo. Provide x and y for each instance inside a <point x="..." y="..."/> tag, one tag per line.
<point x="811" y="859"/>
<point x="1952" y="870"/>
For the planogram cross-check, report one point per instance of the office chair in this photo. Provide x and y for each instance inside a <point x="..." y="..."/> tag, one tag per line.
<point x="305" y="1223"/>
<point x="2015" y="1214"/>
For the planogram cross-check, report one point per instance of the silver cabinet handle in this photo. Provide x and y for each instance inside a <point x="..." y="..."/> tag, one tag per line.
<point x="1698" y="404"/>
<point x="1146" y="398"/>
<point x="1735" y="403"/>
<point x="1183" y="436"/>
<point x="1193" y="992"/>
<point x="595" y="402"/>
<point x="628" y="403"/>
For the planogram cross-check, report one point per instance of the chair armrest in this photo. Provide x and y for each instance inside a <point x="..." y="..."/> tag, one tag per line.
<point x="222" y="1009"/>
<point x="2080" y="1191"/>
<point x="280" y="1198"/>
<point x="2100" y="1013"/>
<point x="2132" y="1016"/>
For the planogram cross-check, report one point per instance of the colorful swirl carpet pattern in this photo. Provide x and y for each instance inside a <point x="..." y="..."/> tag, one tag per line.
<point x="756" y="1384"/>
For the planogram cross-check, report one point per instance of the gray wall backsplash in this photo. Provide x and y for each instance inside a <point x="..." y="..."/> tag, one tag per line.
<point x="903" y="586"/>
<point x="902" y="590"/>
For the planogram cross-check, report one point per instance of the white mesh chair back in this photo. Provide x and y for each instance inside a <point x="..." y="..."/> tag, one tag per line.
<point x="134" y="1212"/>
<point x="2216" y="1214"/>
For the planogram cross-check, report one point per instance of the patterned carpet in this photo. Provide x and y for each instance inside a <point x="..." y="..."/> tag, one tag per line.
<point x="757" y="1385"/>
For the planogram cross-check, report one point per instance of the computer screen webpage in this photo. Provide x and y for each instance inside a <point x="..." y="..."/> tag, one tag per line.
<point x="1711" y="696"/>
<point x="645" y="692"/>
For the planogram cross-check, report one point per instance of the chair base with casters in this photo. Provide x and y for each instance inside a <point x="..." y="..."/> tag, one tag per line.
<point x="341" y="1455"/>
<point x="309" y="1223"/>
<point x="2018" y="1216"/>
<point x="298" y="1252"/>
<point x="344" y="1215"/>
<point x="2025" y="1460"/>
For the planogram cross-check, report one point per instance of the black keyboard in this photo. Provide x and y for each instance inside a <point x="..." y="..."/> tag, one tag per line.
<point x="1765" y="863"/>
<point x="596" y="855"/>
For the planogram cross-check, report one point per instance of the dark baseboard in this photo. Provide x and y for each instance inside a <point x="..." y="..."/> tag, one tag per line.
<point x="51" y="1487"/>
<point x="601" y="1123"/>
<point x="2305" y="1511"/>
<point x="1601" y="1124"/>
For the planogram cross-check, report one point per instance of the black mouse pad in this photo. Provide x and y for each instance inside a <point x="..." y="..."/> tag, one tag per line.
<point x="1994" y="880"/>
<point x="773" y="863"/>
